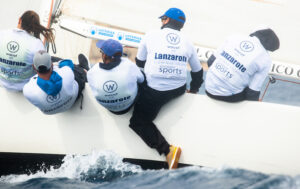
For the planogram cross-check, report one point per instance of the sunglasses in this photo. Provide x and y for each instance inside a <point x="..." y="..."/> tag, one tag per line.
<point x="164" y="18"/>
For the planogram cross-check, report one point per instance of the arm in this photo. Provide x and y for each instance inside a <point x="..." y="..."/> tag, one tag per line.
<point x="196" y="73"/>
<point x="213" y="57"/>
<point x="211" y="60"/>
<point x="139" y="74"/>
<point x="141" y="55"/>
<point x="197" y="80"/>
<point x="251" y="95"/>
<point x="253" y="91"/>
<point x="140" y="63"/>
<point x="66" y="62"/>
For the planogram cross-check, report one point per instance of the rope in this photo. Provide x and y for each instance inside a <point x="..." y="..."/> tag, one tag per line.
<point x="265" y="91"/>
<point x="288" y="81"/>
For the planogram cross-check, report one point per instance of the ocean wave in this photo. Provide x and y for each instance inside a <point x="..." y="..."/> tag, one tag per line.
<point x="94" y="167"/>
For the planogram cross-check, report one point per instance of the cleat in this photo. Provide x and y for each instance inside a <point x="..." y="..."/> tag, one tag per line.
<point x="173" y="157"/>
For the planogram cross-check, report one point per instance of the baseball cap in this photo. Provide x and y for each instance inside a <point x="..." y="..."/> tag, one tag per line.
<point x="42" y="58"/>
<point x="110" y="47"/>
<point x="175" y="14"/>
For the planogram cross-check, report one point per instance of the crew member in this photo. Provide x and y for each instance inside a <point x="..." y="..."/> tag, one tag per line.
<point x="239" y="67"/>
<point x="18" y="47"/>
<point x="114" y="82"/>
<point x="55" y="88"/>
<point x="164" y="54"/>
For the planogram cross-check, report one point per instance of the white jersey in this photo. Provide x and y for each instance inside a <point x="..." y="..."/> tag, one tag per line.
<point x="115" y="89"/>
<point x="240" y="62"/>
<point x="167" y="53"/>
<point x="17" y="49"/>
<point x="49" y="104"/>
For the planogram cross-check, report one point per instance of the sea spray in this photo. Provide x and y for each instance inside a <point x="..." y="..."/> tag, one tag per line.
<point x="106" y="170"/>
<point x="94" y="167"/>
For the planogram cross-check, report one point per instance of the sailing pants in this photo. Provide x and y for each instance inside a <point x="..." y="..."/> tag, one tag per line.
<point x="80" y="78"/>
<point x="145" y="111"/>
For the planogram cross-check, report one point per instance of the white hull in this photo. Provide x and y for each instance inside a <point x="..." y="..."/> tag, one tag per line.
<point x="251" y="135"/>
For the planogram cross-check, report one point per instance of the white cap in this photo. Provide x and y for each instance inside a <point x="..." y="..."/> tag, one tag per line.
<point x="42" y="58"/>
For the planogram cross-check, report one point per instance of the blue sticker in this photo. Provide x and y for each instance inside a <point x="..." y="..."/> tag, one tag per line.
<point x="106" y="32"/>
<point x="120" y="36"/>
<point x="133" y="38"/>
<point x="93" y="31"/>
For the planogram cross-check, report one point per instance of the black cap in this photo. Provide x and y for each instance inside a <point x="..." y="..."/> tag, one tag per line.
<point x="268" y="39"/>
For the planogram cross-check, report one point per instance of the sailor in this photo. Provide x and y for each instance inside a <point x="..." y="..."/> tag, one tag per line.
<point x="114" y="82"/>
<point x="55" y="88"/>
<point x="164" y="55"/>
<point x="18" y="47"/>
<point x="240" y="65"/>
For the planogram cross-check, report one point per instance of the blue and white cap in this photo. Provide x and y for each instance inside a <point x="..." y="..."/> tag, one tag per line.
<point x="110" y="47"/>
<point x="175" y="14"/>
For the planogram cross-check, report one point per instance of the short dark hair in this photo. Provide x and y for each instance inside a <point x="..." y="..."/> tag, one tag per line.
<point x="43" y="69"/>
<point x="174" y="24"/>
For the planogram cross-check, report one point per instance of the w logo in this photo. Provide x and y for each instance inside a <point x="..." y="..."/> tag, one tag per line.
<point x="246" y="46"/>
<point x="110" y="86"/>
<point x="13" y="47"/>
<point x="173" y="38"/>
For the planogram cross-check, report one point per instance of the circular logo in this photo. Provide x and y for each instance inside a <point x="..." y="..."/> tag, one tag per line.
<point x="52" y="99"/>
<point x="13" y="47"/>
<point x="120" y="36"/>
<point x="110" y="86"/>
<point x="246" y="46"/>
<point x="173" y="38"/>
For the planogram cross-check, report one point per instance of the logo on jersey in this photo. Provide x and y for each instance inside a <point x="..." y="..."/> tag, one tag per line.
<point x="173" y="38"/>
<point x="13" y="47"/>
<point x="246" y="46"/>
<point x="52" y="99"/>
<point x="110" y="86"/>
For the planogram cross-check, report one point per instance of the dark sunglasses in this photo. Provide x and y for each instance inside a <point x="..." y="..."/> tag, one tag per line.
<point x="164" y="18"/>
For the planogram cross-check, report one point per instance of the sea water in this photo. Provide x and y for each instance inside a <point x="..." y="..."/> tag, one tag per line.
<point x="105" y="169"/>
<point x="283" y="90"/>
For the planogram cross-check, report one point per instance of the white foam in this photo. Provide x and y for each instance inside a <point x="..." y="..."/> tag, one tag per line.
<point x="75" y="165"/>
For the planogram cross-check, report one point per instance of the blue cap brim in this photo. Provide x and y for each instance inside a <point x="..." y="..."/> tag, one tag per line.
<point x="100" y="43"/>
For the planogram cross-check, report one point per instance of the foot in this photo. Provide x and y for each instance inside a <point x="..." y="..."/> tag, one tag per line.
<point x="83" y="62"/>
<point x="173" y="157"/>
